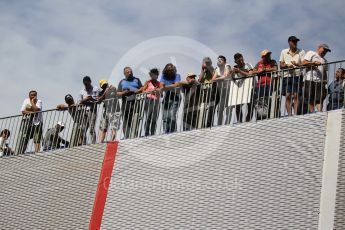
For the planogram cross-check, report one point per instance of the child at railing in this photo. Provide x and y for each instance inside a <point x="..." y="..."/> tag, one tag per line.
<point x="4" y="149"/>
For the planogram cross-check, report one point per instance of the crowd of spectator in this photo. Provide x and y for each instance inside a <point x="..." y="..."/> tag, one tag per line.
<point x="206" y="98"/>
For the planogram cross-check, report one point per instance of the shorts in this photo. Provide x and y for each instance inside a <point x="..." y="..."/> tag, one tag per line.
<point x="314" y="92"/>
<point x="292" y="85"/>
<point x="112" y="119"/>
<point x="33" y="132"/>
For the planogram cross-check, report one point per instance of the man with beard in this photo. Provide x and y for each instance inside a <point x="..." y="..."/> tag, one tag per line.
<point x="130" y="112"/>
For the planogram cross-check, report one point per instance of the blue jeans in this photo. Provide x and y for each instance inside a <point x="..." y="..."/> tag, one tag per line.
<point x="170" y="108"/>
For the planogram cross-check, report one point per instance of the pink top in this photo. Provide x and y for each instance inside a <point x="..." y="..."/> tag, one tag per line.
<point x="150" y="87"/>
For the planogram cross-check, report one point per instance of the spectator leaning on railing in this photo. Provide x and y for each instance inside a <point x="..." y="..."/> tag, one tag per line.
<point x="336" y="90"/>
<point x="32" y="122"/>
<point x="290" y="63"/>
<point x="191" y="108"/>
<point x="111" y="112"/>
<point x="220" y="77"/>
<point x="151" y="108"/>
<point x="130" y="111"/>
<point x="208" y="100"/>
<point x="88" y="97"/>
<point x="80" y="119"/>
<point x="171" y="100"/>
<point x="242" y="70"/>
<point x="265" y="84"/>
<point x="315" y="80"/>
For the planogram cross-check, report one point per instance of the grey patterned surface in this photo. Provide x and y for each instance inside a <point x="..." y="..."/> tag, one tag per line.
<point x="264" y="175"/>
<point x="339" y="221"/>
<point x="53" y="190"/>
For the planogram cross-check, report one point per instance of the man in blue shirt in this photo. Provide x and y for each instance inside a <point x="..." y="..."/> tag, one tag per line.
<point x="171" y="99"/>
<point x="130" y="110"/>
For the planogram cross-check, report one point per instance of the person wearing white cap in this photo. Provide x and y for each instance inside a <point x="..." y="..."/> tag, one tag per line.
<point x="315" y="80"/>
<point x="52" y="140"/>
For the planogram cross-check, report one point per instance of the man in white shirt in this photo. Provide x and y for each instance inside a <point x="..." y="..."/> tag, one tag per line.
<point x="221" y="77"/>
<point x="315" y="80"/>
<point x="32" y="122"/>
<point x="241" y="70"/>
<point x="290" y="63"/>
<point x="89" y="97"/>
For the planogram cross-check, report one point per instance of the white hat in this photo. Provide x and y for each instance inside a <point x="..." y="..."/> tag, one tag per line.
<point x="61" y="124"/>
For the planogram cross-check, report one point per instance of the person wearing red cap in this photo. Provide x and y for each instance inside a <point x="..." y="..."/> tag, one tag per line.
<point x="315" y="80"/>
<point x="290" y="63"/>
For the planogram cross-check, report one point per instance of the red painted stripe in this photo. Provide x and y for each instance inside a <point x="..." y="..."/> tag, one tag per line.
<point x="103" y="185"/>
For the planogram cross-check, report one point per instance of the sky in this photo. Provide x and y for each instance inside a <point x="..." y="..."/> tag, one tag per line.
<point x="50" y="45"/>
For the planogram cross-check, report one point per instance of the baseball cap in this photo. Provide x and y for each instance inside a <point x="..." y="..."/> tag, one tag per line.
<point x="293" y="38"/>
<point x="61" y="124"/>
<point x="325" y="46"/>
<point x="206" y="59"/>
<point x="68" y="97"/>
<point x="265" y="52"/>
<point x="191" y="75"/>
<point x="102" y="82"/>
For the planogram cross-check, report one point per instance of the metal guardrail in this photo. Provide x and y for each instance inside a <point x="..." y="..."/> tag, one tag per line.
<point x="187" y="107"/>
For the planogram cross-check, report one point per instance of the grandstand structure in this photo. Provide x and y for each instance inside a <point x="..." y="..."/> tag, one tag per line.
<point x="281" y="172"/>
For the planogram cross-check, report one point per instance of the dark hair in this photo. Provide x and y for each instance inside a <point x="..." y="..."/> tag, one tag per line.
<point x="154" y="71"/>
<point x="166" y="67"/>
<point x="222" y="57"/>
<point x="32" y="91"/>
<point x="68" y="97"/>
<point x="342" y="70"/>
<point x="237" y="56"/>
<point x="6" y="132"/>
<point x="86" y="78"/>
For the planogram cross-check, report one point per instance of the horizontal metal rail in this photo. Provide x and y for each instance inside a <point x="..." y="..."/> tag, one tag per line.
<point x="190" y="106"/>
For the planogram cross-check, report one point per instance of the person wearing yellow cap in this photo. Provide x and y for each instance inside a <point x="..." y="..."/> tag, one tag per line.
<point x="111" y="110"/>
<point x="264" y="87"/>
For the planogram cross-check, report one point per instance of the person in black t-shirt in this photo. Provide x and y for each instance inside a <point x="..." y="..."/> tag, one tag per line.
<point x="79" y="115"/>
